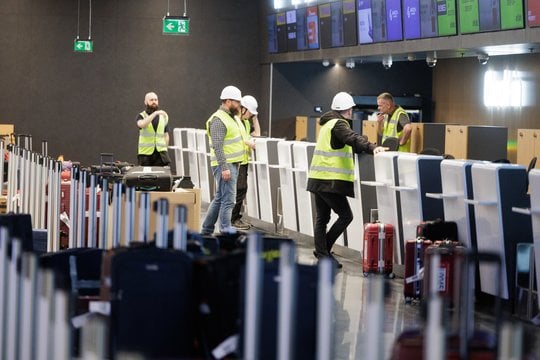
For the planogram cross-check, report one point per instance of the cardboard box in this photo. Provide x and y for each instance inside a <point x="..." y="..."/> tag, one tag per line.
<point x="191" y="198"/>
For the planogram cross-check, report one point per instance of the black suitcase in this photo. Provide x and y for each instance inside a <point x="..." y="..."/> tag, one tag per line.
<point x="149" y="178"/>
<point x="151" y="303"/>
<point x="437" y="230"/>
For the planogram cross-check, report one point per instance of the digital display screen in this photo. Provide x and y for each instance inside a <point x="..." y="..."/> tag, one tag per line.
<point x="312" y="27"/>
<point x="349" y="23"/>
<point x="393" y="20"/>
<point x="271" y="33"/>
<point x="428" y="18"/>
<point x="281" y="26"/>
<point x="533" y="13"/>
<point x="512" y="14"/>
<point x="411" y="19"/>
<point x="489" y="13"/>
<point x="291" y="31"/>
<point x="331" y="24"/>
<point x="468" y="16"/>
<point x="446" y="17"/>
<point x="365" y="27"/>
<point x="378" y="16"/>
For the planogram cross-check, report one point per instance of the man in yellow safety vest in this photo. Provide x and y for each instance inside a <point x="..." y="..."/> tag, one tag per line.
<point x="153" y="133"/>
<point x="393" y="122"/>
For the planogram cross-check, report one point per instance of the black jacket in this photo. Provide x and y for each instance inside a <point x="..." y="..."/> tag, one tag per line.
<point x="342" y="135"/>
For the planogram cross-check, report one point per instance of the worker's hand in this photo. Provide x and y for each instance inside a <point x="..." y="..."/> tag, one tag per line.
<point x="162" y="112"/>
<point x="226" y="174"/>
<point x="380" y="117"/>
<point x="250" y="143"/>
<point x="379" y="149"/>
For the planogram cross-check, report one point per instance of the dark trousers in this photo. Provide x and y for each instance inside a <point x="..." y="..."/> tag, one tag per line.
<point x="156" y="159"/>
<point x="324" y="203"/>
<point x="241" y="191"/>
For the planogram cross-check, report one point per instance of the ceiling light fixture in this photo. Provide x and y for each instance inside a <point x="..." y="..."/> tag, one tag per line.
<point x="431" y="60"/>
<point x="350" y="64"/>
<point x="387" y="62"/>
<point x="325" y="63"/>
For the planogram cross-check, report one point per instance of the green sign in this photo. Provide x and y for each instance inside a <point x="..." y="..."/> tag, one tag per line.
<point x="83" y="46"/>
<point x="176" y="25"/>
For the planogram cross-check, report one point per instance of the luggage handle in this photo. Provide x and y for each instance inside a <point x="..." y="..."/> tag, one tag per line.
<point x="148" y="177"/>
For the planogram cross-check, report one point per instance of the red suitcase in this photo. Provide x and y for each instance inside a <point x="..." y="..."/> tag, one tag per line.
<point x="378" y="248"/>
<point x="414" y="262"/>
<point x="452" y="256"/>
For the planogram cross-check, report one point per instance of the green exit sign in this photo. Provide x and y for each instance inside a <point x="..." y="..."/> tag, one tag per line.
<point x="83" y="46"/>
<point x="176" y="25"/>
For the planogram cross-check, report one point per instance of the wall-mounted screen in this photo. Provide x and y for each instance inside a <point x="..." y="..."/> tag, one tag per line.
<point x="331" y="24"/>
<point x="349" y="23"/>
<point x="411" y="19"/>
<point x="468" y="16"/>
<point x="271" y="33"/>
<point x="446" y="17"/>
<point x="428" y="18"/>
<point x="378" y="17"/>
<point x="291" y="31"/>
<point x="512" y="14"/>
<point x="393" y="20"/>
<point x="533" y="13"/>
<point x="489" y="13"/>
<point x="301" y="29"/>
<point x="312" y="27"/>
<point x="365" y="24"/>
<point x="281" y="31"/>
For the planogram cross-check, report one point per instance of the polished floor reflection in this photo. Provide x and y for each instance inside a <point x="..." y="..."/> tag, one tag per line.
<point x="352" y="327"/>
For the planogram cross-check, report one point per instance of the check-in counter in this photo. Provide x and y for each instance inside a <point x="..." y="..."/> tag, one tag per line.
<point x="302" y="154"/>
<point x="388" y="201"/>
<point x="418" y="175"/>
<point x="287" y="209"/>
<point x="206" y="178"/>
<point x="267" y="178"/>
<point x="497" y="189"/>
<point x="181" y="150"/>
<point x="456" y="188"/>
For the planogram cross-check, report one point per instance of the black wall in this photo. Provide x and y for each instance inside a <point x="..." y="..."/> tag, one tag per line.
<point x="84" y="104"/>
<point x="298" y="87"/>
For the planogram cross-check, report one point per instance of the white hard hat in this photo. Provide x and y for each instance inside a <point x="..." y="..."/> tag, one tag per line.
<point x="250" y="103"/>
<point x="342" y="101"/>
<point x="231" y="92"/>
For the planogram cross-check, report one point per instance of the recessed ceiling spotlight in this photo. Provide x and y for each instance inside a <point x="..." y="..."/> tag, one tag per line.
<point x="431" y="59"/>
<point x="350" y="64"/>
<point x="325" y="62"/>
<point x="387" y="62"/>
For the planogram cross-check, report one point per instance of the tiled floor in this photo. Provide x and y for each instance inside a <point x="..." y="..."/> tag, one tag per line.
<point x="351" y="291"/>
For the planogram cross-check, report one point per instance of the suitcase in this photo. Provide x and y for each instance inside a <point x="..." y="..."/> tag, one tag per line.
<point x="437" y="230"/>
<point x="378" y="248"/>
<point x="151" y="303"/>
<point x="149" y="178"/>
<point x="414" y="263"/>
<point x="462" y="340"/>
<point x="452" y="258"/>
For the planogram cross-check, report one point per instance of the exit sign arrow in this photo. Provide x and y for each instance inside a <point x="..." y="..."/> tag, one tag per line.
<point x="176" y="25"/>
<point x="83" y="46"/>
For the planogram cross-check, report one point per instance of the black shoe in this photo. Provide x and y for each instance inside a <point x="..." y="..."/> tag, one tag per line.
<point x="319" y="256"/>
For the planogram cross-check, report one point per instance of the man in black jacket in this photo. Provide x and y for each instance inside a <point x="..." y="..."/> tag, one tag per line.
<point x="331" y="175"/>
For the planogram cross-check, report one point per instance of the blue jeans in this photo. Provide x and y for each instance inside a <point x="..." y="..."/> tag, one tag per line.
<point x="223" y="202"/>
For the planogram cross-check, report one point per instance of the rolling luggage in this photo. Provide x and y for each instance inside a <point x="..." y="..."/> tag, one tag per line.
<point x="437" y="230"/>
<point x="414" y="265"/>
<point x="378" y="248"/>
<point x="149" y="178"/>
<point x="460" y="339"/>
<point x="151" y="303"/>
<point x="452" y="257"/>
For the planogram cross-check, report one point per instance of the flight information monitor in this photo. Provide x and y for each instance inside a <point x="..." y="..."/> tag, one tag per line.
<point x="291" y="31"/>
<point x="271" y="33"/>
<point x="533" y="13"/>
<point x="281" y="31"/>
<point x="446" y="17"/>
<point x="378" y="16"/>
<point x="512" y="14"/>
<point x="428" y="18"/>
<point x="468" y="16"/>
<point x="489" y="14"/>
<point x="365" y="24"/>
<point x="393" y="20"/>
<point x="312" y="27"/>
<point x="349" y="23"/>
<point x="411" y="19"/>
